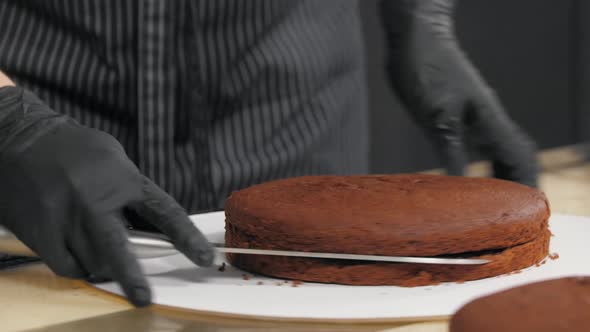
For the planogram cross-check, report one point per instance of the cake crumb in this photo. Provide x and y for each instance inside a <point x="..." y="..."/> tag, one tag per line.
<point x="222" y="267"/>
<point x="245" y="277"/>
<point x="296" y="283"/>
<point x="279" y="283"/>
<point x="517" y="272"/>
<point x="460" y="282"/>
<point x="260" y="283"/>
<point x="554" y="256"/>
<point x="544" y="261"/>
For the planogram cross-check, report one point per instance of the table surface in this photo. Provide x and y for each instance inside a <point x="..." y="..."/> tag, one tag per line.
<point x="34" y="298"/>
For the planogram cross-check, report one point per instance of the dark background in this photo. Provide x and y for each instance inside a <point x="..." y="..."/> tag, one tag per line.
<point x="530" y="51"/>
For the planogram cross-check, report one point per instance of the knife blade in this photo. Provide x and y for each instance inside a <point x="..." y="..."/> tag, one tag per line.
<point x="152" y="245"/>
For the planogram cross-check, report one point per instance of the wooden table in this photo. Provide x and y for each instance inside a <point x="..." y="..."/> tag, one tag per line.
<point x="32" y="297"/>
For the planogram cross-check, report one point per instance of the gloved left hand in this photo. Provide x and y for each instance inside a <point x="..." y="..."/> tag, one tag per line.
<point x="447" y="96"/>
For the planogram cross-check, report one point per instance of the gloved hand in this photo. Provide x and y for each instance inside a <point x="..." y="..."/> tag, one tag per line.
<point x="447" y="96"/>
<point x="64" y="190"/>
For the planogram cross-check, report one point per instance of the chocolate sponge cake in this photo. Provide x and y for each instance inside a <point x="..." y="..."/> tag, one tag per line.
<point x="398" y="215"/>
<point x="547" y="306"/>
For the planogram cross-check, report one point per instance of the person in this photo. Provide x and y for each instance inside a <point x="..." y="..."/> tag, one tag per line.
<point x="127" y="113"/>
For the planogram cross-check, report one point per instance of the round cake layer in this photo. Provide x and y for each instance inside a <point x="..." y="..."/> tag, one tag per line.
<point x="401" y="215"/>
<point x="547" y="306"/>
<point x="408" y="275"/>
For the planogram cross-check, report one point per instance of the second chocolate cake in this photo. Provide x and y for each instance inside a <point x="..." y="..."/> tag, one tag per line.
<point x="397" y="215"/>
<point x="546" y="306"/>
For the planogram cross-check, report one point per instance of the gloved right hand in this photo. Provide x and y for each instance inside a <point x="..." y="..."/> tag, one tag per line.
<point x="65" y="188"/>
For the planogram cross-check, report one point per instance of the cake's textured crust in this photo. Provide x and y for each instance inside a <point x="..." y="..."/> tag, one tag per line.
<point x="400" y="215"/>
<point x="548" y="306"/>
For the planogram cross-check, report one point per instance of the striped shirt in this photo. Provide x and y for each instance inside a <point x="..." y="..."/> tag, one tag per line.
<point x="206" y="96"/>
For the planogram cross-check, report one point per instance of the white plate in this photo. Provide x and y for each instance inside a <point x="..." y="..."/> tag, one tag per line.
<point x="178" y="283"/>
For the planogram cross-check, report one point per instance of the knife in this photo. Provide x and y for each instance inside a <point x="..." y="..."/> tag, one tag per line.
<point x="153" y="245"/>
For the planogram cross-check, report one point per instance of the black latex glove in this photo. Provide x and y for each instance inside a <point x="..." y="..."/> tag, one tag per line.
<point x="64" y="189"/>
<point x="447" y="96"/>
